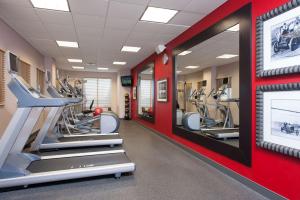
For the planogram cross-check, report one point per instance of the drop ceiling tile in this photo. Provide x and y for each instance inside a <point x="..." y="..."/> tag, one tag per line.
<point x="61" y="32"/>
<point x="114" y="34"/>
<point x="70" y="52"/>
<point x="203" y="6"/>
<point x="140" y="2"/>
<point x="174" y="30"/>
<point x="148" y="27"/>
<point x="21" y="3"/>
<point x="122" y="24"/>
<point x="125" y="10"/>
<point x="84" y="32"/>
<point x="16" y="12"/>
<point x="88" y="21"/>
<point x="55" y="17"/>
<point x="185" y="18"/>
<point x="89" y="7"/>
<point x="170" y="4"/>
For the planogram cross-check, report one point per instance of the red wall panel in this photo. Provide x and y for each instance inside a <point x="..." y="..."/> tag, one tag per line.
<point x="272" y="170"/>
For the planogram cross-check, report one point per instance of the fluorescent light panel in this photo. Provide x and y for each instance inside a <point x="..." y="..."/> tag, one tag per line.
<point x="159" y="15"/>
<point x="185" y="53"/>
<point x="234" y="28"/>
<point x="192" y="67"/>
<point x="178" y="71"/>
<point x="61" y="5"/>
<point x="67" y="44"/>
<point x="119" y="63"/>
<point x="130" y="49"/>
<point x="102" y="68"/>
<point x="227" y="56"/>
<point x="73" y="60"/>
<point x="77" y="67"/>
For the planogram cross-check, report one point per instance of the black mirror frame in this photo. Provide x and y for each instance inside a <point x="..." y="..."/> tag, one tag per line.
<point x="144" y="67"/>
<point x="243" y="153"/>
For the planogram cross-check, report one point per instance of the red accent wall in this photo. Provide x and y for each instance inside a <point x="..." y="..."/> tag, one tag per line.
<point x="277" y="172"/>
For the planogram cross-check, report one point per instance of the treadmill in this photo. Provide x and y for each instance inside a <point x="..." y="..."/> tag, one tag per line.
<point x="18" y="168"/>
<point x="46" y="139"/>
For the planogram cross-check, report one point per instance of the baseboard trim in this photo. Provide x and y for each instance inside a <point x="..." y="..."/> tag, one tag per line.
<point x="242" y="179"/>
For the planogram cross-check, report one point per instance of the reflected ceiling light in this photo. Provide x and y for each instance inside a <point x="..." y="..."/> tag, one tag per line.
<point x="185" y="53"/>
<point x="67" y="44"/>
<point x="77" y="67"/>
<point x="178" y="71"/>
<point x="234" y="28"/>
<point x="102" y="68"/>
<point x="130" y="49"/>
<point x="119" y="63"/>
<point x="61" y="5"/>
<point x="160" y="15"/>
<point x="72" y="60"/>
<point x="192" y="67"/>
<point x="227" y="56"/>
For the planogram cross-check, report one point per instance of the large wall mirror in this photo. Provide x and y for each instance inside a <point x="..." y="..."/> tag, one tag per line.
<point x="212" y="100"/>
<point x="146" y="92"/>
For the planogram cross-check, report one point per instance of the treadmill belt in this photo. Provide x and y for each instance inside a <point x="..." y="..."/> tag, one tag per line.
<point x="52" y="152"/>
<point x="77" y="162"/>
<point x="86" y="138"/>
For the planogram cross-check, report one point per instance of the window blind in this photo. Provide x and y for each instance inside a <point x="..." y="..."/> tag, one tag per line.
<point x="145" y="93"/>
<point x="24" y="71"/>
<point x="2" y="81"/>
<point x="104" y="92"/>
<point x="98" y="90"/>
<point x="40" y="80"/>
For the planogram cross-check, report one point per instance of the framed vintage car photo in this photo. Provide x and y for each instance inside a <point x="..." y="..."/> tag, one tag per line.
<point x="278" y="41"/>
<point x="278" y="118"/>
<point x="162" y="90"/>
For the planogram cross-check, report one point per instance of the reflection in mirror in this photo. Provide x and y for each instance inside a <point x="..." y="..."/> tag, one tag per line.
<point x="208" y="87"/>
<point x="146" y="92"/>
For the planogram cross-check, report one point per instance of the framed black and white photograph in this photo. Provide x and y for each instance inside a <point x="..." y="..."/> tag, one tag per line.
<point x="162" y="90"/>
<point x="134" y="93"/>
<point x="278" y="118"/>
<point x="278" y="41"/>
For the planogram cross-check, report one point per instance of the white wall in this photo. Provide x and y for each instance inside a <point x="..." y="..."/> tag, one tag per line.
<point x="10" y="40"/>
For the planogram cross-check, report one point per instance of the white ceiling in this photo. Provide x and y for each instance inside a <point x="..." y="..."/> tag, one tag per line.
<point x="101" y="27"/>
<point x="205" y="54"/>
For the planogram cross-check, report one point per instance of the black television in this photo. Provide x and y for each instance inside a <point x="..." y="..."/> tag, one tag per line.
<point x="126" y="81"/>
<point x="13" y="63"/>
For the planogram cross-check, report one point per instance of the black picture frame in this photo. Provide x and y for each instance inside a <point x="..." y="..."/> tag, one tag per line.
<point x="144" y="67"/>
<point x="162" y="100"/>
<point x="260" y="119"/>
<point x="260" y="58"/>
<point x="243" y="153"/>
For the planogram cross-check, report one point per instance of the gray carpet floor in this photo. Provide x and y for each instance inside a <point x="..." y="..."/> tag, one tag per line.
<point x="164" y="172"/>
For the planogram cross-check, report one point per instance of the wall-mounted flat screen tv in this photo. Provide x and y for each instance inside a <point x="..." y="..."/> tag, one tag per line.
<point x="126" y="81"/>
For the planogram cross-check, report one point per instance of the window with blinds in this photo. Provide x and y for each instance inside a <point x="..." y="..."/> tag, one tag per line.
<point x="145" y="93"/>
<point x="24" y="71"/>
<point x="2" y="81"/>
<point x="40" y="81"/>
<point x="98" y="90"/>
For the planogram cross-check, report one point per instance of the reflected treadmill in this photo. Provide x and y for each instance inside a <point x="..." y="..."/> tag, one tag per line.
<point x="18" y="168"/>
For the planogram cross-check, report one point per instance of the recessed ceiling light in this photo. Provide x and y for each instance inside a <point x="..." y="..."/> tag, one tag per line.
<point x="61" y="5"/>
<point x="130" y="49"/>
<point x="67" y="44"/>
<point x="178" y="71"/>
<point x="160" y="15"/>
<point x="72" y="60"/>
<point x="119" y="63"/>
<point x="227" y="56"/>
<point x="192" y="67"/>
<point x="234" y="28"/>
<point x="102" y="68"/>
<point x="185" y="53"/>
<point x="77" y="67"/>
